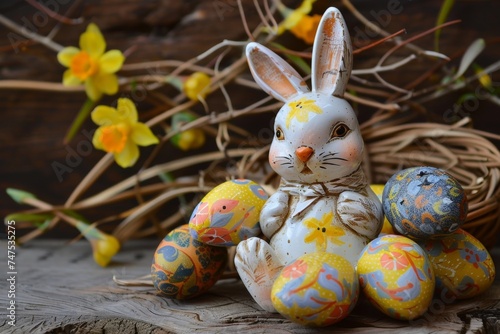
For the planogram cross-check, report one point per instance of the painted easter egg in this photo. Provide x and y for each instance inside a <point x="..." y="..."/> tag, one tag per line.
<point x="378" y="189"/>
<point x="229" y="213"/>
<point x="184" y="267"/>
<point x="424" y="202"/>
<point x="396" y="276"/>
<point x="462" y="265"/>
<point x="318" y="289"/>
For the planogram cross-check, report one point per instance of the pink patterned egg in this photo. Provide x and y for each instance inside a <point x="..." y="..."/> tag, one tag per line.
<point x="396" y="276"/>
<point x="229" y="213"/>
<point x="318" y="289"/>
<point x="462" y="265"/>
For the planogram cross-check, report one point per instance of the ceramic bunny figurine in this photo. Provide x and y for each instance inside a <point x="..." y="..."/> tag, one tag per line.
<point x="324" y="202"/>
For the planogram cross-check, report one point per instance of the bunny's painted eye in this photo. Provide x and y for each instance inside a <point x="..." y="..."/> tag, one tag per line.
<point x="279" y="134"/>
<point x="339" y="131"/>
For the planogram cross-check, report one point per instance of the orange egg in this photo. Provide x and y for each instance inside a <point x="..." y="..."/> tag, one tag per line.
<point x="184" y="267"/>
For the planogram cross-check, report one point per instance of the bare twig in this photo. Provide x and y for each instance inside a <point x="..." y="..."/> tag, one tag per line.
<point x="30" y="35"/>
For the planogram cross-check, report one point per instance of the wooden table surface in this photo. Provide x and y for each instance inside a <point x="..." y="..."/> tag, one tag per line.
<point x="59" y="289"/>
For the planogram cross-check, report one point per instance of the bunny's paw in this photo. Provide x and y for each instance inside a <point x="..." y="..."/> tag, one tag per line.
<point x="273" y="213"/>
<point x="360" y="214"/>
<point x="258" y="267"/>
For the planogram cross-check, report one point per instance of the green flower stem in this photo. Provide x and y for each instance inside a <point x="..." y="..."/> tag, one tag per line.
<point x="39" y="204"/>
<point x="84" y="112"/>
<point x="443" y="15"/>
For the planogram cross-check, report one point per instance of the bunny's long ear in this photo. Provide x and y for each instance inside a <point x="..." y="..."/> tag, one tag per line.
<point x="332" y="54"/>
<point x="274" y="75"/>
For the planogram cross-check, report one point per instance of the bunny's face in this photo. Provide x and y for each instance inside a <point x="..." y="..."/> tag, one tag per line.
<point x="316" y="139"/>
<point x="317" y="136"/>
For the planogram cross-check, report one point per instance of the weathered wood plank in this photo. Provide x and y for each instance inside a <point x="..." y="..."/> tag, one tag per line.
<point x="59" y="289"/>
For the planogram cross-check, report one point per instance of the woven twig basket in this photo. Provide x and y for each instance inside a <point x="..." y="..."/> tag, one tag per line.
<point x="465" y="153"/>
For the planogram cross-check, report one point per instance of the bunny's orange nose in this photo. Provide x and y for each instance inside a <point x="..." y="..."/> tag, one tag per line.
<point x="304" y="153"/>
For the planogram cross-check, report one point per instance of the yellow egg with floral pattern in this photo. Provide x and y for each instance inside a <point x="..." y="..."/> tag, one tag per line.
<point x="229" y="213"/>
<point x="184" y="267"/>
<point x="462" y="265"/>
<point x="397" y="277"/>
<point x="318" y="289"/>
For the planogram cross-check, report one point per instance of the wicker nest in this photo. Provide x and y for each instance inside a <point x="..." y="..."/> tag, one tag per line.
<point x="465" y="153"/>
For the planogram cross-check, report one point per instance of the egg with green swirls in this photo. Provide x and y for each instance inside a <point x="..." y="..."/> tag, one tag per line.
<point x="184" y="267"/>
<point x="424" y="202"/>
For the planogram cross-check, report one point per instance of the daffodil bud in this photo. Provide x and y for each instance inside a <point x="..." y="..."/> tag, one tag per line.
<point x="196" y="86"/>
<point x="483" y="77"/>
<point x="190" y="139"/>
<point x="104" y="249"/>
<point x="104" y="246"/>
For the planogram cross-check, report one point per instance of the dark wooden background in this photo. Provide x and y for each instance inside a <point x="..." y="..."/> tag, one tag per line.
<point x="33" y="123"/>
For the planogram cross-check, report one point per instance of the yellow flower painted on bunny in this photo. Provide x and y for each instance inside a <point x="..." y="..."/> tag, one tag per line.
<point x="323" y="232"/>
<point x="300" y="110"/>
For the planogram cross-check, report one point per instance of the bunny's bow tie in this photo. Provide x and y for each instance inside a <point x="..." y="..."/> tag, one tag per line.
<point x="309" y="194"/>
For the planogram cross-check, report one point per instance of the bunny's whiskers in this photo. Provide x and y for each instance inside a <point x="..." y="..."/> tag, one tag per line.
<point x="325" y="159"/>
<point x="283" y="160"/>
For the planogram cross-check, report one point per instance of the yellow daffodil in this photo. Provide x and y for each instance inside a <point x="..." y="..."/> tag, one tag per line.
<point x="120" y="132"/>
<point x="190" y="139"/>
<point x="293" y="17"/>
<point x="306" y="28"/>
<point x="196" y="86"/>
<point x="91" y="65"/>
<point x="104" y="246"/>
